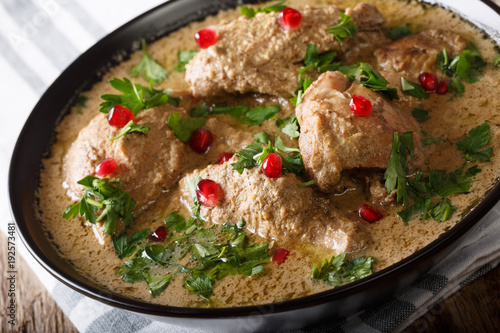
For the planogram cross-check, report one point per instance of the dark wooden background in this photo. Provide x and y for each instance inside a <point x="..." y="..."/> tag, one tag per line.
<point x="475" y="308"/>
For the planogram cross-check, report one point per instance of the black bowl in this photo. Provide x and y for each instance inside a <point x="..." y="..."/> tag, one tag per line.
<point x="37" y="135"/>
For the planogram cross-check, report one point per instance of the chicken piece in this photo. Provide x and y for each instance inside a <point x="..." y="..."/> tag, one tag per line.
<point x="277" y="209"/>
<point x="416" y="54"/>
<point x="332" y="139"/>
<point x="256" y="55"/>
<point x="147" y="163"/>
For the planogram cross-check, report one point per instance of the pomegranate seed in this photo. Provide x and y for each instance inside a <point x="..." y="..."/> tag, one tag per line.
<point x="106" y="167"/>
<point x="208" y="192"/>
<point x="159" y="234"/>
<point x="442" y="87"/>
<point x="119" y="116"/>
<point x="369" y="214"/>
<point x="224" y="157"/>
<point x="280" y="255"/>
<point x="201" y="140"/>
<point x="289" y="19"/>
<point x="360" y="105"/>
<point x="206" y="37"/>
<point x="428" y="81"/>
<point x="272" y="165"/>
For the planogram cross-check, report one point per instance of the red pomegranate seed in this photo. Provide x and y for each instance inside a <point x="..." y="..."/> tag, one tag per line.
<point x="224" y="157"/>
<point x="369" y="214"/>
<point x="159" y="234"/>
<point x="289" y="19"/>
<point x="272" y="165"/>
<point x="442" y="87"/>
<point x="280" y="255"/>
<point x="201" y="140"/>
<point x="206" y="37"/>
<point x="119" y="116"/>
<point x="360" y="105"/>
<point x="208" y="192"/>
<point x="106" y="167"/>
<point x="428" y="81"/>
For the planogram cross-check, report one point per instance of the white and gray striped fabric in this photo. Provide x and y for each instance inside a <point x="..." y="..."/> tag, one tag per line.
<point x="39" y="38"/>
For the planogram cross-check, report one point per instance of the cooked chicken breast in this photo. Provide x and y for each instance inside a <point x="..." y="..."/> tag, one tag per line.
<point x="417" y="53"/>
<point x="273" y="209"/>
<point x="332" y="139"/>
<point x="147" y="163"/>
<point x="256" y="55"/>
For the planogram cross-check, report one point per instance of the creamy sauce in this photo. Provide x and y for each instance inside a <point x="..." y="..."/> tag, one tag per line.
<point x="392" y="239"/>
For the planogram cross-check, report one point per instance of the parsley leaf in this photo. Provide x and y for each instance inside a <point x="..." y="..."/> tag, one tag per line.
<point x="280" y="145"/>
<point x="345" y="28"/>
<point x="80" y="103"/>
<point x="262" y="113"/>
<point x="131" y="127"/>
<point x="413" y="89"/>
<point x="184" y="127"/>
<point x="421" y="207"/>
<point x="371" y="78"/>
<point x="420" y="115"/>
<point x="251" y="117"/>
<point x="314" y="59"/>
<point x="398" y="32"/>
<point x="103" y="194"/>
<point x="475" y="140"/>
<point x="148" y="68"/>
<point x="496" y="61"/>
<point x="338" y="270"/>
<point x="289" y="126"/>
<point x="443" y="210"/>
<point x="125" y="248"/>
<point x="135" y="97"/>
<point x="397" y="167"/>
<point x="307" y="184"/>
<point x="443" y="62"/>
<point x="200" y="111"/>
<point x="183" y="57"/>
<point x="246" y="155"/>
<point x="201" y="286"/>
<point x="250" y="12"/>
<point x="430" y="141"/>
<point x="262" y="137"/>
<point x="157" y="283"/>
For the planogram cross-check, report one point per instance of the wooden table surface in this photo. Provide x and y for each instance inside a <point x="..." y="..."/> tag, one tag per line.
<point x="475" y="308"/>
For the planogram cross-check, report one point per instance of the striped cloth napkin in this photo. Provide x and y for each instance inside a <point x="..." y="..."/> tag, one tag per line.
<point x="40" y="38"/>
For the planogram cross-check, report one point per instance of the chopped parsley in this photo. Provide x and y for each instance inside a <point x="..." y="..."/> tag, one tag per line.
<point x="345" y="28"/>
<point x="420" y="115"/>
<point x="107" y="196"/>
<point x="251" y="117"/>
<point x="250" y="12"/>
<point x="215" y="253"/>
<point x="307" y="184"/>
<point x="371" y="78"/>
<point x="289" y="126"/>
<point x="131" y="127"/>
<point x="184" y="127"/>
<point x="200" y="111"/>
<point x="338" y="271"/>
<point x="496" y="61"/>
<point x="148" y="68"/>
<point x="474" y="141"/>
<point x="398" y="32"/>
<point x="253" y="155"/>
<point x="262" y="137"/>
<point x="80" y="103"/>
<point x="413" y="89"/>
<point x="192" y="183"/>
<point x="431" y="141"/>
<point x="397" y="167"/>
<point x="183" y="57"/>
<point x="443" y="210"/>
<point x="135" y="97"/>
<point x="126" y="247"/>
<point x="466" y="66"/>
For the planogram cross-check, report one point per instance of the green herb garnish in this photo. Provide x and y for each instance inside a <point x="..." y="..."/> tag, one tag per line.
<point x="183" y="57"/>
<point x="307" y="184"/>
<point x="339" y="271"/>
<point x="135" y="97"/>
<point x="420" y="115"/>
<point x="474" y="141"/>
<point x="251" y="117"/>
<point x="289" y="126"/>
<point x="105" y="195"/>
<point x="413" y="89"/>
<point x="345" y="28"/>
<point x="397" y="168"/>
<point x="80" y="103"/>
<point x="496" y="61"/>
<point x="250" y="12"/>
<point x="443" y="210"/>
<point x="398" y="32"/>
<point x="148" y="68"/>
<point x="126" y="248"/>
<point x="261" y="137"/>
<point x="131" y="127"/>
<point x="184" y="127"/>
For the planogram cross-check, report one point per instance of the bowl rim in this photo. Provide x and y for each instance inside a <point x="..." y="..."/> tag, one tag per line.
<point x="110" y="298"/>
